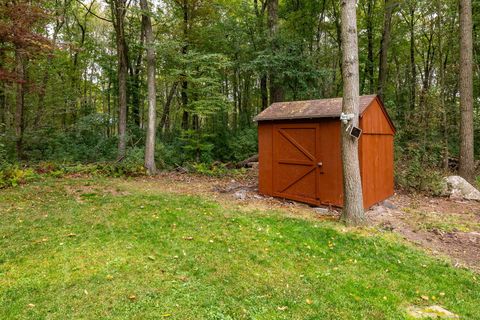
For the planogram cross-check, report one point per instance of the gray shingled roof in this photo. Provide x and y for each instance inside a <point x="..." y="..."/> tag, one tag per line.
<point x="310" y="109"/>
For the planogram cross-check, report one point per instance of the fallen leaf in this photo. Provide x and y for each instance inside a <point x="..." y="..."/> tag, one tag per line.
<point x="442" y="294"/>
<point x="309" y="301"/>
<point x="426" y="298"/>
<point x="109" y="277"/>
<point x="151" y="258"/>
<point x="132" y="297"/>
<point x="31" y="305"/>
<point x="283" y="308"/>
<point x="187" y="238"/>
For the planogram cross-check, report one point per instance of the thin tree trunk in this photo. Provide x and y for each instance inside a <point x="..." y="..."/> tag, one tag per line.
<point x="119" y="11"/>
<point x="384" y="44"/>
<point x="276" y="91"/>
<point x="467" y="163"/>
<point x="135" y="73"/>
<point x="165" y="120"/>
<point x="413" y="68"/>
<point x="370" y="62"/>
<point x="353" y="211"/>
<point x="184" y="92"/>
<point x="19" y="102"/>
<point x="264" y="91"/>
<point x="152" y="107"/>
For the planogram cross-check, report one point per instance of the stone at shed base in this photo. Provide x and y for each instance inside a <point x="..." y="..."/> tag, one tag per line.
<point x="240" y="194"/>
<point x="432" y="312"/>
<point x="458" y="188"/>
<point x="388" y="204"/>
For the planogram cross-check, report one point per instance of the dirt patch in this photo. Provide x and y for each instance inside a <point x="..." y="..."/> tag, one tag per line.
<point x="442" y="226"/>
<point x="82" y="192"/>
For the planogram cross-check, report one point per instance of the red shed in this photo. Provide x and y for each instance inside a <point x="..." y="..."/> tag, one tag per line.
<point x="300" y="151"/>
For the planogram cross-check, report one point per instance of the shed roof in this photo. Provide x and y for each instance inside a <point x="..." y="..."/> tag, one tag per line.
<point x="309" y="109"/>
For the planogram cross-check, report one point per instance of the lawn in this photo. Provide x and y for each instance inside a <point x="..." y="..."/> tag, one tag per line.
<point x="109" y="249"/>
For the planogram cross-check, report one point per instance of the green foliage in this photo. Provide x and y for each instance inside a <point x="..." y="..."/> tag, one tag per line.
<point x="417" y="171"/>
<point x="242" y="145"/>
<point x="196" y="146"/>
<point x="12" y="176"/>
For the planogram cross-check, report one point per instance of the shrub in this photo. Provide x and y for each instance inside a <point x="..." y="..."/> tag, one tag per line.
<point x="417" y="171"/>
<point x="12" y="176"/>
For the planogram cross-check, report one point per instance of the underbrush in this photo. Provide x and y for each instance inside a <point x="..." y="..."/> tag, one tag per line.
<point x="416" y="171"/>
<point x="12" y="175"/>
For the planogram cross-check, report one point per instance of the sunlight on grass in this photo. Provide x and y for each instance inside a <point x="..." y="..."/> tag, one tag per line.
<point x="87" y="249"/>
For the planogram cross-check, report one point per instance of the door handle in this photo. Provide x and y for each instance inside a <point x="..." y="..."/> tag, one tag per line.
<point x="320" y="167"/>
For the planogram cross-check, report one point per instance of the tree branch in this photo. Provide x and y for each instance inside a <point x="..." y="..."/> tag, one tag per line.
<point x="93" y="13"/>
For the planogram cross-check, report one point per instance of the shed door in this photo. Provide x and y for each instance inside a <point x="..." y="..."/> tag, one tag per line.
<point x="296" y="162"/>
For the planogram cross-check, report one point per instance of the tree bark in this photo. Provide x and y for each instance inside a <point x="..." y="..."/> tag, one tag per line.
<point x="467" y="163"/>
<point x="184" y="92"/>
<point x="19" y="102"/>
<point x="165" y="120"/>
<point x="370" y="62"/>
<point x="276" y="91"/>
<point x="384" y="44"/>
<point x="119" y="11"/>
<point x="353" y="211"/>
<point x="152" y="107"/>
<point x="413" y="68"/>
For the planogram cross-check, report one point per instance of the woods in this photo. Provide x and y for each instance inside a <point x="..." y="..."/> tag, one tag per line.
<point x="85" y="80"/>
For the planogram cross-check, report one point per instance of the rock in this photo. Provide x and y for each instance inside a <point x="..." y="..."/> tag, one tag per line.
<point x="458" y="188"/>
<point x="321" y="210"/>
<point x="389" y="205"/>
<point x="324" y="211"/>
<point x="240" y="194"/>
<point x="432" y="312"/>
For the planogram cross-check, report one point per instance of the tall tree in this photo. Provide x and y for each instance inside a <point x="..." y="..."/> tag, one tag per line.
<point x="20" y="100"/>
<point x="467" y="162"/>
<point x="276" y="92"/>
<point x="384" y="45"/>
<point x="119" y="10"/>
<point x="152" y="107"/>
<point x="353" y="211"/>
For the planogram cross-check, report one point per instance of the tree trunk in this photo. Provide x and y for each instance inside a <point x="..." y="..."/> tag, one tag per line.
<point x="353" y="211"/>
<point x="384" y="44"/>
<point x="165" y="120"/>
<point x="276" y="91"/>
<point x="184" y="92"/>
<point x="119" y="11"/>
<point x="413" y="68"/>
<point x="370" y="62"/>
<point x="264" y="91"/>
<point x="135" y="74"/>
<point x="19" y="101"/>
<point x="467" y="163"/>
<point x="152" y="107"/>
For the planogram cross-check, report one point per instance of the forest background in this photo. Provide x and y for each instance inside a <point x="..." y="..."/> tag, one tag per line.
<point x="73" y="79"/>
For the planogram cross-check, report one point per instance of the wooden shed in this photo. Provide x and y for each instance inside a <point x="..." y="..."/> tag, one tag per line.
<point x="300" y="151"/>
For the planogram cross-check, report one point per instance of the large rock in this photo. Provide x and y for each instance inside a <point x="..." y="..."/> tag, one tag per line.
<point x="459" y="188"/>
<point x="432" y="312"/>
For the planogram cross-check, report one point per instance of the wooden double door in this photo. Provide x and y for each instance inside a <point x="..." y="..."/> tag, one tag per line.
<point x="306" y="162"/>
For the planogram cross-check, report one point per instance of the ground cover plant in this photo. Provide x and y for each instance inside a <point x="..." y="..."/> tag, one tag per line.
<point x="95" y="248"/>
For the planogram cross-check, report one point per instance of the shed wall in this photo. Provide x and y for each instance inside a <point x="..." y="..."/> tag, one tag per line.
<point x="265" y="158"/>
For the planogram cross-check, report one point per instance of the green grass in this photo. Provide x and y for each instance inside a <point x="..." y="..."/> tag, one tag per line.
<point x="85" y="249"/>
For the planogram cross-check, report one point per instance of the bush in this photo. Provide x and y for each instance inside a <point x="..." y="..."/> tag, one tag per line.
<point x="12" y="176"/>
<point x="417" y="171"/>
